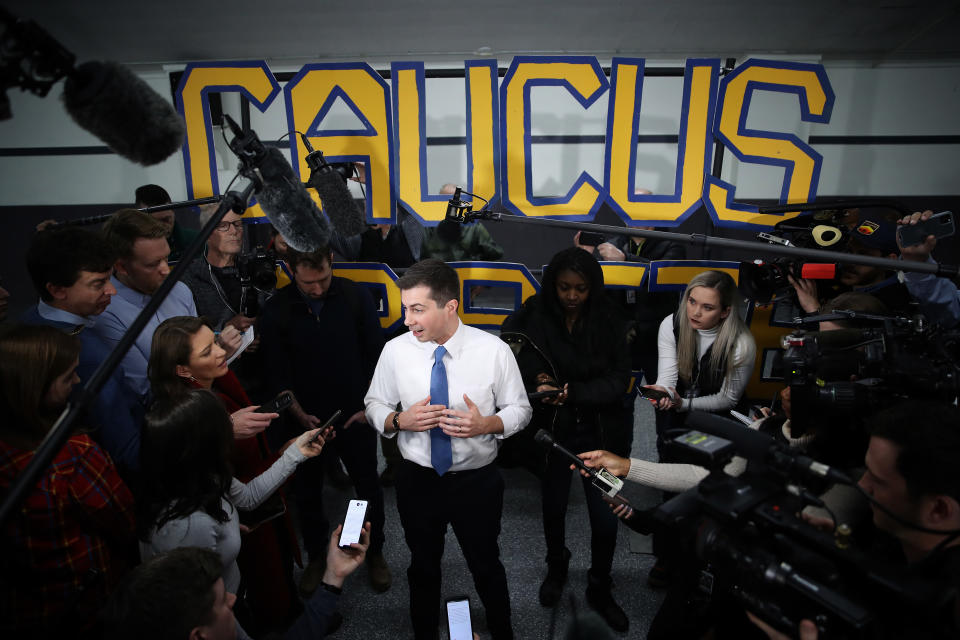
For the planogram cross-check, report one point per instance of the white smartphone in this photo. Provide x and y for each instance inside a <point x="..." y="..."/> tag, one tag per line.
<point x="458" y="618"/>
<point x="353" y="522"/>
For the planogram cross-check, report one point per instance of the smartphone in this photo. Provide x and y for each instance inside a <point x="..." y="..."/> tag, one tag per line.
<point x="939" y="225"/>
<point x="325" y="427"/>
<point x="353" y="522"/>
<point x="652" y="394"/>
<point x="544" y="394"/>
<point x="283" y="400"/>
<point x="591" y="238"/>
<point x="756" y="411"/>
<point x="458" y="618"/>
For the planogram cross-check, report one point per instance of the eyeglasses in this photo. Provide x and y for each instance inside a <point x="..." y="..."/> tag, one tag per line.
<point x="236" y="224"/>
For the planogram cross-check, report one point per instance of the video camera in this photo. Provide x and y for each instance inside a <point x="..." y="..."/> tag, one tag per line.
<point x="848" y="373"/>
<point x="761" y="281"/>
<point x="257" y="272"/>
<point x="749" y="542"/>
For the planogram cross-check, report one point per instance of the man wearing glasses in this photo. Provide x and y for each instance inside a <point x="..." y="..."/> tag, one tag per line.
<point x="214" y="279"/>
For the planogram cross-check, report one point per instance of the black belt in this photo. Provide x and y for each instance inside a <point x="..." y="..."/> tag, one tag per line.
<point x="462" y="472"/>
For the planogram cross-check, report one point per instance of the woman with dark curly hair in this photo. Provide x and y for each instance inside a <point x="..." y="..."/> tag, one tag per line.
<point x="572" y="341"/>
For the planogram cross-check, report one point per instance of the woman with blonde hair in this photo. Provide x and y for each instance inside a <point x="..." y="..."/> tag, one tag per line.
<point x="706" y="356"/>
<point x="706" y="351"/>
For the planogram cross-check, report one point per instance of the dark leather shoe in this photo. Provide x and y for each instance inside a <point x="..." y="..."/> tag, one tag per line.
<point x="601" y="600"/>
<point x="380" y="577"/>
<point x="552" y="587"/>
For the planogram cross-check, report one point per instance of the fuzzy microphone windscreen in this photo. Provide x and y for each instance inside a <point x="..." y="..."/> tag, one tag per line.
<point x="111" y="102"/>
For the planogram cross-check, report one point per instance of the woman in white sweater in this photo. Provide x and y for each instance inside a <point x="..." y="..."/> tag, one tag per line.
<point x="189" y="496"/>
<point x="706" y="352"/>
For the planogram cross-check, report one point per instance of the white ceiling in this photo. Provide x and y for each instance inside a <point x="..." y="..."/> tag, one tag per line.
<point x="446" y="30"/>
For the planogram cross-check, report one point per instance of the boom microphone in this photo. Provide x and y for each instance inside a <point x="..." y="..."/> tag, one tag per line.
<point x="288" y="205"/>
<point x="112" y="103"/>
<point x="338" y="203"/>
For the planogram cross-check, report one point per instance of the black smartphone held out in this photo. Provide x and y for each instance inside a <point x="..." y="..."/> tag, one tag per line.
<point x="353" y="522"/>
<point x="544" y="394"/>
<point x="458" y="618"/>
<point x="325" y="428"/>
<point x="591" y="238"/>
<point x="652" y="394"/>
<point x="939" y="225"/>
<point x="283" y="401"/>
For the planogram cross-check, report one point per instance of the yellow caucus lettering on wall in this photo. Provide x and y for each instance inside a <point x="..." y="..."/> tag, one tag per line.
<point x="252" y="79"/>
<point x="366" y="94"/>
<point x="694" y="149"/>
<point x="478" y="274"/>
<point x="409" y="98"/>
<point x="624" y="275"/>
<point x="381" y="280"/>
<point x="584" y="79"/>
<point x="800" y="162"/>
<point x="673" y="275"/>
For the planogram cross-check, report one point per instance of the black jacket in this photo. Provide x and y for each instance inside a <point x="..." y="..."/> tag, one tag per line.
<point x="597" y="369"/>
<point x="327" y="359"/>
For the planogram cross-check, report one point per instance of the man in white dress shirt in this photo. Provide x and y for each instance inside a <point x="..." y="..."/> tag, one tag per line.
<point x="449" y="445"/>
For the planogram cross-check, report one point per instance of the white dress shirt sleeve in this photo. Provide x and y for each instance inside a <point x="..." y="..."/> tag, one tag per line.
<point x="511" y="395"/>
<point x="383" y="395"/>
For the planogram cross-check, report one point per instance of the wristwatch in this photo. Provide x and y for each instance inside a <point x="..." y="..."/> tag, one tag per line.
<point x="396" y="421"/>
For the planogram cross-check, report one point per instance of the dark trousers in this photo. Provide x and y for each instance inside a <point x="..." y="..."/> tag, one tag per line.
<point x="357" y="447"/>
<point x="555" y="491"/>
<point x="472" y="502"/>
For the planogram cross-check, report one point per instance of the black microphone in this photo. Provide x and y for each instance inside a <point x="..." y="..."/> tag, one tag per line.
<point x="457" y="209"/>
<point x="112" y="103"/>
<point x="547" y="440"/>
<point x="762" y="448"/>
<point x="338" y="203"/>
<point x="608" y="483"/>
<point x="289" y="206"/>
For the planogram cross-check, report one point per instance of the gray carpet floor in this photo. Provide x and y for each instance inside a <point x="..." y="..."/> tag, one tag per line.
<point x="368" y="614"/>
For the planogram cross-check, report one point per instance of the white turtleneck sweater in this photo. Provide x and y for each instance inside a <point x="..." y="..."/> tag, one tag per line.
<point x="733" y="384"/>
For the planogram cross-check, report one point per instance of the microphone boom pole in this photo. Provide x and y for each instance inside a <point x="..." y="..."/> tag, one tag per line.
<point x="701" y="240"/>
<point x="160" y="207"/>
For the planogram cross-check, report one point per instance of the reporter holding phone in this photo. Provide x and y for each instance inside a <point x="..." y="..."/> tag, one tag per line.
<point x="574" y="340"/>
<point x="185" y="355"/>
<point x="189" y="496"/>
<point x="706" y="352"/>
<point x="706" y="358"/>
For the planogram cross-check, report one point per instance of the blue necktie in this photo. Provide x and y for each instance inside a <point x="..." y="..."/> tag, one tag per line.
<point x="441" y="457"/>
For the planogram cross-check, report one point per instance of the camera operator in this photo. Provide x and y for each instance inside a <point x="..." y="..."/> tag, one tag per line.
<point x="914" y="481"/>
<point x="215" y="280"/>
<point x="939" y="297"/>
<point x="875" y="236"/>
